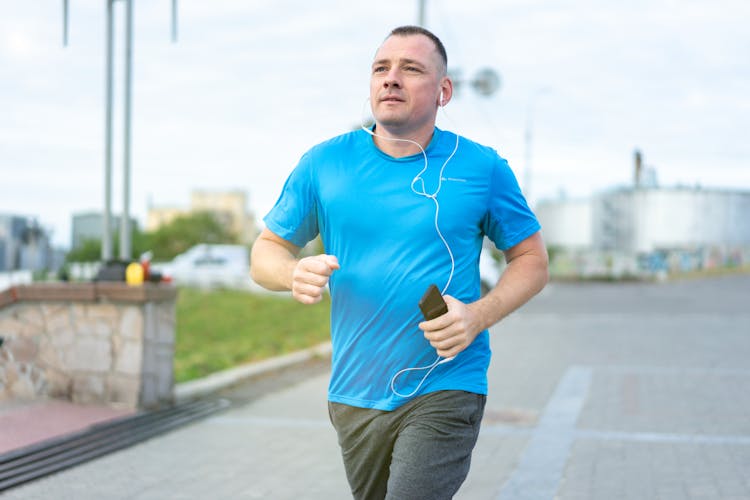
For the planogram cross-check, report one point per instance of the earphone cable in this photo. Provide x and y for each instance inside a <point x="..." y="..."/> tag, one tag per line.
<point x="433" y="197"/>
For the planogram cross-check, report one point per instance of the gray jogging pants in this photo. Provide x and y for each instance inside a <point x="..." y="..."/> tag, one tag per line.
<point x="421" y="450"/>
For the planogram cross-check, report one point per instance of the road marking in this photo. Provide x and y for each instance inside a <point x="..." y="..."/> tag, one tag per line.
<point x="658" y="437"/>
<point x="542" y="463"/>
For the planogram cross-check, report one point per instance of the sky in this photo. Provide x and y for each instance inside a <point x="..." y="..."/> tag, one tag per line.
<point x="249" y="86"/>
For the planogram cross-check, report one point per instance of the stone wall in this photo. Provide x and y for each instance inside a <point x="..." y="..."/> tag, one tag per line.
<point x="90" y="343"/>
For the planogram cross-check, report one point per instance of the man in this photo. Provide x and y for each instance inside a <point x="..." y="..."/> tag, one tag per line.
<point x="399" y="207"/>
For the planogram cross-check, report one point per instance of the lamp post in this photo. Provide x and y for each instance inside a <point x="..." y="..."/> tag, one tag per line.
<point x="125" y="229"/>
<point x="420" y="19"/>
<point x="528" y="137"/>
<point x="486" y="81"/>
<point x="107" y="216"/>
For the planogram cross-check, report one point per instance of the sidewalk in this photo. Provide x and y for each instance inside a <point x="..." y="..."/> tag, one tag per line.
<point x="597" y="391"/>
<point x="24" y="423"/>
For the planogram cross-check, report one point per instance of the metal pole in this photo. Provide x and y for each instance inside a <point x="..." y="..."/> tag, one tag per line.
<point x="527" y="159"/>
<point x="528" y="139"/>
<point x="106" y="220"/>
<point x="125" y="230"/>
<point x="421" y="13"/>
<point x="65" y="23"/>
<point x="174" y="21"/>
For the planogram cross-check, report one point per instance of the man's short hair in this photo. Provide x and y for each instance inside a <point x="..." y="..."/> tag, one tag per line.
<point x="418" y="30"/>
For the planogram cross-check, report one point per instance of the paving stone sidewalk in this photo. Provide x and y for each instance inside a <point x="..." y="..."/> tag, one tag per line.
<point x="597" y="391"/>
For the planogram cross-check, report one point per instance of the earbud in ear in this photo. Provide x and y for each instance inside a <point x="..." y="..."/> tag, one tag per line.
<point x="442" y="103"/>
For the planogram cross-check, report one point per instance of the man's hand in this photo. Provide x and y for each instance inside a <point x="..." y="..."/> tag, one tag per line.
<point x="524" y="276"/>
<point x="454" y="331"/>
<point x="311" y="276"/>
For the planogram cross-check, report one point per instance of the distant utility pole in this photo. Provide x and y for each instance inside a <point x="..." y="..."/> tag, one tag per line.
<point x="485" y="83"/>
<point x="125" y="229"/>
<point x="420" y="20"/>
<point x="528" y="138"/>
<point x="65" y="23"/>
<point x="106" y="221"/>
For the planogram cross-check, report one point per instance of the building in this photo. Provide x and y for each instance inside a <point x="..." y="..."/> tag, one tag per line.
<point x="631" y="230"/>
<point x="24" y="244"/>
<point x="90" y="226"/>
<point x="567" y="223"/>
<point x="641" y="221"/>
<point x="229" y="207"/>
<point x="159" y="216"/>
<point x="647" y="228"/>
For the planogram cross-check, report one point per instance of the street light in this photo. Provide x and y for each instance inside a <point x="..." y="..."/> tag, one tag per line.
<point x="528" y="137"/>
<point x="486" y="81"/>
<point x="125" y="229"/>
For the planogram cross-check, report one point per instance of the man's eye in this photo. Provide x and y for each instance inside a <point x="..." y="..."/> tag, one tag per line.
<point x="379" y="69"/>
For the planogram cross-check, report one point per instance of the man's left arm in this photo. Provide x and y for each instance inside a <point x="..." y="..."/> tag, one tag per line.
<point x="525" y="275"/>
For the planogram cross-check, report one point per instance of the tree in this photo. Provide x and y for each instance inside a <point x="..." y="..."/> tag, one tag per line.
<point x="90" y="250"/>
<point x="166" y="242"/>
<point x="187" y="231"/>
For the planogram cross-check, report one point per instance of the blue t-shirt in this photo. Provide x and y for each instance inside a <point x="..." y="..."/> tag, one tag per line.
<point x="360" y="200"/>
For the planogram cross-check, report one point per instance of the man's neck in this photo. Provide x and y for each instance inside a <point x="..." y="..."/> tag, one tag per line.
<point x="399" y="144"/>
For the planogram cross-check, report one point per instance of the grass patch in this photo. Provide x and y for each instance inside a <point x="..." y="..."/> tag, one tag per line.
<point x="221" y="329"/>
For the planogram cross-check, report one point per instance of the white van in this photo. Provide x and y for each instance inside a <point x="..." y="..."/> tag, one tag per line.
<point x="210" y="266"/>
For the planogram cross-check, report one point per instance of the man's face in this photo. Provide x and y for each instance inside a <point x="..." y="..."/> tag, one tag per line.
<point x="405" y="83"/>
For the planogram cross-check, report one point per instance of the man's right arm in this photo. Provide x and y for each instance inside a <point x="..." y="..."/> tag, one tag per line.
<point x="272" y="261"/>
<point x="274" y="265"/>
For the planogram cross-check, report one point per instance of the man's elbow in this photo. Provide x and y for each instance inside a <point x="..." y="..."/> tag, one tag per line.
<point x="255" y="268"/>
<point x="544" y="272"/>
<point x="537" y="264"/>
<point x="255" y="274"/>
<point x="541" y="271"/>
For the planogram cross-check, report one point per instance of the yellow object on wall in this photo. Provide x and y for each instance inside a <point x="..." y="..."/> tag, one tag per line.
<point x="134" y="274"/>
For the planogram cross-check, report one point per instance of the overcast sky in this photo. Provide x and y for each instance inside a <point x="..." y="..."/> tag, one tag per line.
<point x="250" y="86"/>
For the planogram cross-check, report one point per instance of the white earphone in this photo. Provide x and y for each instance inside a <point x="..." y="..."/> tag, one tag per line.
<point x="420" y="190"/>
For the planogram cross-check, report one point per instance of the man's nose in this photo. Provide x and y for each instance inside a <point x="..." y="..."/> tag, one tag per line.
<point x="391" y="84"/>
<point x="392" y="79"/>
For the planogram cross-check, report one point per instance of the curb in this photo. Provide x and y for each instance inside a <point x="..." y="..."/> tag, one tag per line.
<point x="194" y="389"/>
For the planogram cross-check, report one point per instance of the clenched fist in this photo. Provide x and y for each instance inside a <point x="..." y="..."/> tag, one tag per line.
<point x="311" y="276"/>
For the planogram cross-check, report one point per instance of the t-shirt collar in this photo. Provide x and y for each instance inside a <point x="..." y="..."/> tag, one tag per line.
<point x="431" y="146"/>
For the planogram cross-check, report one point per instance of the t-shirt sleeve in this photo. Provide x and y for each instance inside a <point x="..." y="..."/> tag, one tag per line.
<point x="508" y="220"/>
<point x="294" y="216"/>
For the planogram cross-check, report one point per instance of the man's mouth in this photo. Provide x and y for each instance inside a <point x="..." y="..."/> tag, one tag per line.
<point x="391" y="98"/>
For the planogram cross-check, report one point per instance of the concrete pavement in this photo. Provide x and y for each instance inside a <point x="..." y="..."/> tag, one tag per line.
<point x="597" y="391"/>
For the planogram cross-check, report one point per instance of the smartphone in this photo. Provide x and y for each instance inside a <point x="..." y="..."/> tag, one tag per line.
<point x="432" y="303"/>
